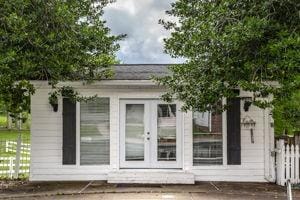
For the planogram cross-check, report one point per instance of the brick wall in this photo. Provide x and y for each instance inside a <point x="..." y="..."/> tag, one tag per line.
<point x="216" y="123"/>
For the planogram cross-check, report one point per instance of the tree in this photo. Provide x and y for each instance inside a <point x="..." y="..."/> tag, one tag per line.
<point x="287" y="115"/>
<point x="51" y="40"/>
<point x="228" y="44"/>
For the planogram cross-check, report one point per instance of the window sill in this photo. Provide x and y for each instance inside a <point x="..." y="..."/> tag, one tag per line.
<point x="217" y="167"/>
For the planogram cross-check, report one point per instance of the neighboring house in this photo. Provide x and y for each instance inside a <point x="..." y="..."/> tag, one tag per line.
<point x="129" y="135"/>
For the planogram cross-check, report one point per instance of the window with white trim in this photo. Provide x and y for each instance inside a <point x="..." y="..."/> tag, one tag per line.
<point x="94" y="132"/>
<point x="207" y="138"/>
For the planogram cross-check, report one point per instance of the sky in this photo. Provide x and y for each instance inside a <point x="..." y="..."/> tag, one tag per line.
<point x="139" y="20"/>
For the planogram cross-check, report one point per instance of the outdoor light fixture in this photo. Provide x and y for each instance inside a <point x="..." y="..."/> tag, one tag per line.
<point x="247" y="103"/>
<point x="247" y="122"/>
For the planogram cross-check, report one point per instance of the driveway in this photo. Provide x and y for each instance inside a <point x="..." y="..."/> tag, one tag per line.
<point x="103" y="191"/>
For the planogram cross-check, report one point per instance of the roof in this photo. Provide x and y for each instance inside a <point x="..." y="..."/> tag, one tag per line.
<point x="139" y="71"/>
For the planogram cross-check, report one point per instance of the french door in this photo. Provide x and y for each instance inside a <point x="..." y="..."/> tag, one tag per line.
<point x="150" y="134"/>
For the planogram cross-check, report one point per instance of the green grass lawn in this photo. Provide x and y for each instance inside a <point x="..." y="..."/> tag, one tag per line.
<point x="13" y="134"/>
<point x="25" y="125"/>
<point x="2" y="121"/>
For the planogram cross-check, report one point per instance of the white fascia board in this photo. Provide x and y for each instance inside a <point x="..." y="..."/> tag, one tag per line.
<point x="98" y="83"/>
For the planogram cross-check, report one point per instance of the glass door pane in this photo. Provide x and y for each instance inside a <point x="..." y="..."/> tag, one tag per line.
<point x="134" y="132"/>
<point x="166" y="132"/>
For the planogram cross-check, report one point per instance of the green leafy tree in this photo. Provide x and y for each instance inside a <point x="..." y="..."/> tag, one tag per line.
<point x="51" y="40"/>
<point x="228" y="44"/>
<point x="287" y="115"/>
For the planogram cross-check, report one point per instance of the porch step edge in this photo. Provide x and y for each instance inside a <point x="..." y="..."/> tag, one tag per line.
<point x="151" y="177"/>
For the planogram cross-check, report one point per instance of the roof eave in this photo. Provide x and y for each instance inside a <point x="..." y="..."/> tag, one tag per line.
<point x="98" y="83"/>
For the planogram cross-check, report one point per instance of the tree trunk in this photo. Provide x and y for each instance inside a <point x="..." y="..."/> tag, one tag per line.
<point x="8" y="121"/>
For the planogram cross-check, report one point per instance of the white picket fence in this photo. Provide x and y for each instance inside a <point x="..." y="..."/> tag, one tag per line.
<point x="11" y="146"/>
<point x="7" y="166"/>
<point x="287" y="163"/>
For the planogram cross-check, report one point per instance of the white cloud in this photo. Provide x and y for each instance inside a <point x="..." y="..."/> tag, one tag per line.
<point x="139" y="20"/>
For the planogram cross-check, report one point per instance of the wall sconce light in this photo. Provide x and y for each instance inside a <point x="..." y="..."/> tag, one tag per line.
<point x="249" y="123"/>
<point x="247" y="103"/>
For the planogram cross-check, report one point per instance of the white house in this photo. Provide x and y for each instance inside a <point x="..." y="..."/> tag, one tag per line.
<point x="128" y="135"/>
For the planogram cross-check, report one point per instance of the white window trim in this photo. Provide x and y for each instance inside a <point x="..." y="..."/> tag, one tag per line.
<point x="224" y="145"/>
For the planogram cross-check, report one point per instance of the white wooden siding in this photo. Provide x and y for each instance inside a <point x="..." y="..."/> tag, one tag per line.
<point x="46" y="141"/>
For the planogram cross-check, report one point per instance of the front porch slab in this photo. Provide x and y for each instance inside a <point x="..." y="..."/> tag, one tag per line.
<point x="151" y="177"/>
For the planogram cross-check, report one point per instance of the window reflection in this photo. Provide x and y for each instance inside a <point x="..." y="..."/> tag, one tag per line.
<point x="207" y="138"/>
<point x="134" y="132"/>
<point x="166" y="132"/>
<point x="94" y="132"/>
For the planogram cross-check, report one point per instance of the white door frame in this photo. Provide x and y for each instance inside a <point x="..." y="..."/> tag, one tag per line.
<point x="150" y="145"/>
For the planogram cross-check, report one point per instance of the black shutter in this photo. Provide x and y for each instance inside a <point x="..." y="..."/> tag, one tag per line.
<point x="69" y="132"/>
<point x="234" y="132"/>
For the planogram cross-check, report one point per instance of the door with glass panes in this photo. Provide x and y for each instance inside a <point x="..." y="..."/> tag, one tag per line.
<point x="150" y="135"/>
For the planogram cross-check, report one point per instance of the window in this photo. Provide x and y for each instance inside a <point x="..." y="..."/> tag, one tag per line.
<point x="207" y="139"/>
<point x="94" y="132"/>
<point x="166" y="132"/>
<point x="135" y="129"/>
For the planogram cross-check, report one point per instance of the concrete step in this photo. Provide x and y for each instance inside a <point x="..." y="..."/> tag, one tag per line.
<point x="151" y="177"/>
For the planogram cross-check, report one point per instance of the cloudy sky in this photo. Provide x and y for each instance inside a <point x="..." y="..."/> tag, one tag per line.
<point x="139" y="20"/>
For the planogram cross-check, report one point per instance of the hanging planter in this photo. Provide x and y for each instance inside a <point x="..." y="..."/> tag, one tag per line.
<point x="55" y="107"/>
<point x="53" y="100"/>
<point x="66" y="92"/>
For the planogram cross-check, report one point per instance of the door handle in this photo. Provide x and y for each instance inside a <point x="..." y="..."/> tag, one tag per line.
<point x="148" y="135"/>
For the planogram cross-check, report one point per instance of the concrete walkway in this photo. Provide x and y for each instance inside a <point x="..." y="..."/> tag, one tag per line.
<point x="101" y="190"/>
<point x="157" y="196"/>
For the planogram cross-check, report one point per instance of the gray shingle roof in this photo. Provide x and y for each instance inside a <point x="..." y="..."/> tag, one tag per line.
<point x="139" y="71"/>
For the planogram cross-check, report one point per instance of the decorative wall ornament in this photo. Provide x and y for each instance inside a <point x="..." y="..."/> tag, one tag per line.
<point x="249" y="123"/>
